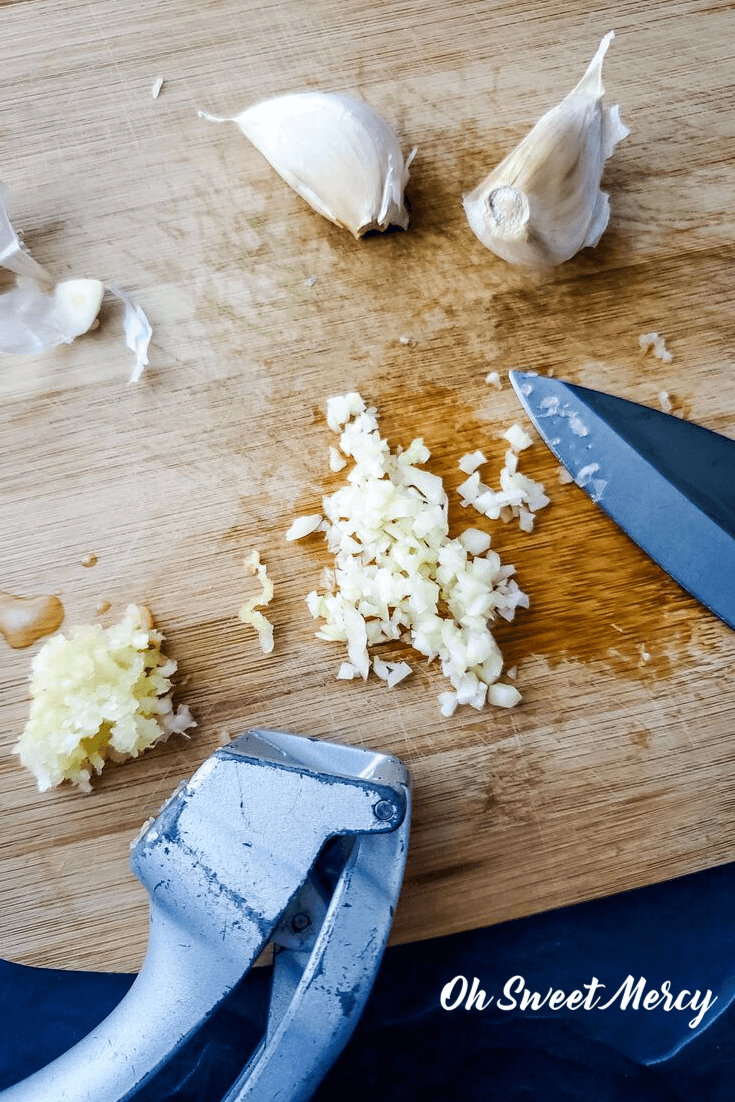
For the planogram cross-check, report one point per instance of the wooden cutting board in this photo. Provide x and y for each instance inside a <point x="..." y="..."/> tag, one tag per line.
<point x="618" y="769"/>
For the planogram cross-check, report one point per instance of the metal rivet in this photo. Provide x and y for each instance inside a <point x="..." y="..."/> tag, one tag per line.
<point x="300" y="922"/>
<point x="384" y="809"/>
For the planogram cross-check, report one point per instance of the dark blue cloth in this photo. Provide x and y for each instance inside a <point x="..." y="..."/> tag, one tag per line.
<point x="407" y="1046"/>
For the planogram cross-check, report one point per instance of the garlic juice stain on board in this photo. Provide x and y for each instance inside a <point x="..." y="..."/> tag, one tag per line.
<point x="594" y="596"/>
<point x="23" y="620"/>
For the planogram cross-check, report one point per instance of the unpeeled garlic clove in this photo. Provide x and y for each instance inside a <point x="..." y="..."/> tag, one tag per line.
<point x="543" y="203"/>
<point x="336" y="152"/>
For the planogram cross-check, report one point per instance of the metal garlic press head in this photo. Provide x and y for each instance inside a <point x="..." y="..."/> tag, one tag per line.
<point x="276" y="839"/>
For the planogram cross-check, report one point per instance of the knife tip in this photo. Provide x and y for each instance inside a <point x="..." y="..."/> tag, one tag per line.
<point x="521" y="381"/>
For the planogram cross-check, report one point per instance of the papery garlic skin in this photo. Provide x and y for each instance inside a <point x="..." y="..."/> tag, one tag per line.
<point x="39" y="313"/>
<point x="336" y="152"/>
<point x="137" y="330"/>
<point x="33" y="320"/>
<point x="543" y="203"/>
<point x="13" y="255"/>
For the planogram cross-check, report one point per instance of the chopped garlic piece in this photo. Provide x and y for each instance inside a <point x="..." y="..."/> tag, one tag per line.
<point x="303" y="526"/>
<point x="99" y="694"/>
<point x="469" y="463"/>
<point x="157" y="86"/>
<point x="518" y="438"/>
<point x="336" y="460"/>
<point x="519" y="496"/>
<point x="584" y="474"/>
<point x="503" y="696"/>
<point x="248" y="613"/>
<point x="475" y="541"/>
<point x="652" y="342"/>
<point x="470" y="488"/>
<point x="525" y="519"/>
<point x="448" y="704"/>
<point x="342" y="407"/>
<point x="398" y="575"/>
<point x="493" y="379"/>
<point x="391" y="672"/>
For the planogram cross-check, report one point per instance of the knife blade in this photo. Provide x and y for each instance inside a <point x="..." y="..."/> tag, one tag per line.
<point x="668" y="483"/>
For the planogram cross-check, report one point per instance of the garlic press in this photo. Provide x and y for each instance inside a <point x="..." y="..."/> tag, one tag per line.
<point x="277" y="839"/>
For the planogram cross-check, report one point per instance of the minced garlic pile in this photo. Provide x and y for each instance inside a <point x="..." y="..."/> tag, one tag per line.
<point x="98" y="694"/>
<point x="398" y="575"/>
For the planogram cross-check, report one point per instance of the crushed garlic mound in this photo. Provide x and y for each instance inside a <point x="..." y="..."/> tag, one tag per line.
<point x="398" y="575"/>
<point x="101" y="693"/>
<point x="248" y="612"/>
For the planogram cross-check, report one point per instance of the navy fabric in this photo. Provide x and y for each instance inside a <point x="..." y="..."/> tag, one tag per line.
<point x="407" y="1046"/>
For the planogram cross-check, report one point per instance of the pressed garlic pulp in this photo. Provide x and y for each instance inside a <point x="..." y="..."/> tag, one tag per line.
<point x="249" y="613"/>
<point x="336" y="152"/>
<point x="398" y="576"/>
<point x="543" y="203"/>
<point x="98" y="694"/>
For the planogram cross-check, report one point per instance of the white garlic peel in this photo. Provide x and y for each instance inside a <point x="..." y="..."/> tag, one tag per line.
<point x="34" y="320"/>
<point x="137" y="331"/>
<point x="37" y="314"/>
<point x="13" y="255"/>
<point x="336" y="152"/>
<point x="543" y="203"/>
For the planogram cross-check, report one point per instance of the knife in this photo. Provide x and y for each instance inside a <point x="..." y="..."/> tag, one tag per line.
<point x="668" y="483"/>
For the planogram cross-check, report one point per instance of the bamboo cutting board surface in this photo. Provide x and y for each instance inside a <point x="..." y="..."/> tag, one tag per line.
<point x="618" y="769"/>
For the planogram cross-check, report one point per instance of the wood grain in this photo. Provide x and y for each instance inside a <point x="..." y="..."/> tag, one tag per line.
<point x="617" y="770"/>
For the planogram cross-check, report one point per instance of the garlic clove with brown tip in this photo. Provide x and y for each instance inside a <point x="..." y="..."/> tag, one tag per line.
<point x="543" y="203"/>
<point x="336" y="152"/>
